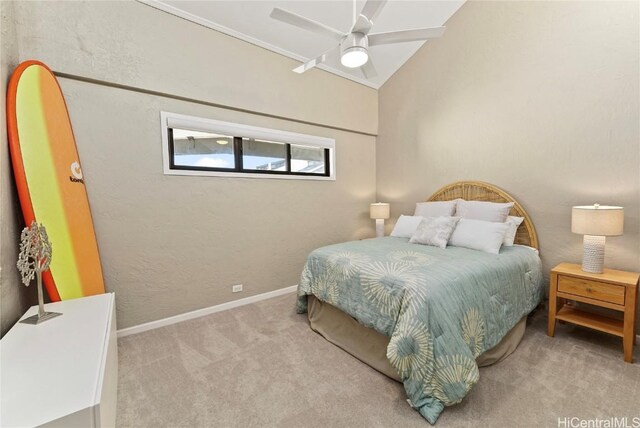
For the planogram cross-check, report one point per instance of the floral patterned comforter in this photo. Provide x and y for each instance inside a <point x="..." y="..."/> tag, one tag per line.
<point x="441" y="308"/>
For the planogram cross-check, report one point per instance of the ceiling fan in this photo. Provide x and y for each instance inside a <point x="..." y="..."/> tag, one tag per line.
<point x="354" y="45"/>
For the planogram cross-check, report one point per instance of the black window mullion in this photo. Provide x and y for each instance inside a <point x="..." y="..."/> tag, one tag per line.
<point x="237" y="148"/>
<point x="288" y="157"/>
<point x="172" y="163"/>
<point x="327" y="164"/>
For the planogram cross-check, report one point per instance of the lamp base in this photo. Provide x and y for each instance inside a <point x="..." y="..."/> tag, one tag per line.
<point x="37" y="319"/>
<point x="379" y="227"/>
<point x="593" y="253"/>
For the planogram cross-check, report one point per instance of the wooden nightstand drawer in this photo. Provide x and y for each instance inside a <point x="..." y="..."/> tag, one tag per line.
<point x="592" y="289"/>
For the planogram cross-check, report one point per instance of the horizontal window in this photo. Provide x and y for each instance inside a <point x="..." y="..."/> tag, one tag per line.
<point x="197" y="146"/>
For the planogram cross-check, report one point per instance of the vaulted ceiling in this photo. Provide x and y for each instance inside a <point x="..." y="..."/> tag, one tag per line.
<point x="250" y="21"/>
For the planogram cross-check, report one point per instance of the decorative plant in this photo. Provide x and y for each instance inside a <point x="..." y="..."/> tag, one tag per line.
<point x="34" y="258"/>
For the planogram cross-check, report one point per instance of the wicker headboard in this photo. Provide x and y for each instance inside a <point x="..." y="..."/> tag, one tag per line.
<point x="479" y="191"/>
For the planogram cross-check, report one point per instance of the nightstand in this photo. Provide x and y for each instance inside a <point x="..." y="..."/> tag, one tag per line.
<point x="612" y="289"/>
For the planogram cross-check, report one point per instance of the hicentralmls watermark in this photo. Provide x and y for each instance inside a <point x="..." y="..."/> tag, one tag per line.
<point x="622" y="422"/>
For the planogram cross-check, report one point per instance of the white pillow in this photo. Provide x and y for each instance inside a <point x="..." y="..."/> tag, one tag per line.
<point x="479" y="235"/>
<point x="406" y="225"/>
<point x="510" y="236"/>
<point x="436" y="209"/>
<point x="434" y="231"/>
<point x="486" y="211"/>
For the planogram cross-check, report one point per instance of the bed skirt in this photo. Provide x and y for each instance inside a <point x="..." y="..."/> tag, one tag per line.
<point x="370" y="347"/>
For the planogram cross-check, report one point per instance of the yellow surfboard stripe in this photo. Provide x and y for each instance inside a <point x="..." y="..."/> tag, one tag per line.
<point x="73" y="193"/>
<point x="43" y="183"/>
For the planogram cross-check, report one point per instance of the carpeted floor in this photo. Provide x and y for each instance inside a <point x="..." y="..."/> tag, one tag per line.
<point x="261" y="365"/>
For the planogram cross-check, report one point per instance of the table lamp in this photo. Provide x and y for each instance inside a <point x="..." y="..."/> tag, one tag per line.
<point x="596" y="222"/>
<point x="379" y="211"/>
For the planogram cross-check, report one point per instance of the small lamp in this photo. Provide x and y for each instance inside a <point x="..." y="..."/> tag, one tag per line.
<point x="596" y="222"/>
<point x="380" y="212"/>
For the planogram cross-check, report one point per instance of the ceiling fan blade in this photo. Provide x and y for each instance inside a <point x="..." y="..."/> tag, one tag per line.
<point x="405" y="36"/>
<point x="362" y="25"/>
<point x="372" y="9"/>
<point x="316" y="61"/>
<point x="369" y="70"/>
<point x="306" y="24"/>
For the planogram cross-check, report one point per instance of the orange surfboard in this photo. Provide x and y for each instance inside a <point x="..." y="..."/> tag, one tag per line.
<point x="50" y="182"/>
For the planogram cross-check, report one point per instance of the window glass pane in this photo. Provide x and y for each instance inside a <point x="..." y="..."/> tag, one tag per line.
<point x="263" y="155"/>
<point x="309" y="160"/>
<point x="202" y="149"/>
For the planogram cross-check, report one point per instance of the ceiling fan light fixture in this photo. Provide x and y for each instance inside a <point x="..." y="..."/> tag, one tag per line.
<point x="354" y="57"/>
<point x="354" y="50"/>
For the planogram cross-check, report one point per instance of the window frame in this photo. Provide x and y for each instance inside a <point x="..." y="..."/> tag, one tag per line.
<point x="239" y="131"/>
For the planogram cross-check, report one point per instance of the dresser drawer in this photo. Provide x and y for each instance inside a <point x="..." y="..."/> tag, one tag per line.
<point x="592" y="289"/>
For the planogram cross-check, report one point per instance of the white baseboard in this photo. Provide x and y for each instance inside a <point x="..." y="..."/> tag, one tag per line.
<point x="204" y="311"/>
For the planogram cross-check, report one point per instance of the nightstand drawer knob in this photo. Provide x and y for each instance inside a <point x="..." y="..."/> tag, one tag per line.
<point x="589" y="289"/>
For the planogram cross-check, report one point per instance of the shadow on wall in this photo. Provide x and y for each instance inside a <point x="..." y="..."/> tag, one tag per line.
<point x="15" y="297"/>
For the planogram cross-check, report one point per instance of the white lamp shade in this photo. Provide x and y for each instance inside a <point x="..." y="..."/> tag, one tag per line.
<point x="597" y="220"/>
<point x="379" y="210"/>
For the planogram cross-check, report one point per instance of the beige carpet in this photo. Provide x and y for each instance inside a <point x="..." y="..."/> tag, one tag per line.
<point x="261" y="365"/>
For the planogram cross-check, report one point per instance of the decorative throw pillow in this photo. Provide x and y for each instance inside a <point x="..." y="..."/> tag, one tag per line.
<point x="434" y="231"/>
<point x="510" y="236"/>
<point x="486" y="211"/>
<point x="406" y="225"/>
<point x="480" y="235"/>
<point x="436" y="209"/>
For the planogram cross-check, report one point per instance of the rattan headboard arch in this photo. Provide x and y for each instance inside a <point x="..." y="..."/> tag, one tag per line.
<point x="479" y="191"/>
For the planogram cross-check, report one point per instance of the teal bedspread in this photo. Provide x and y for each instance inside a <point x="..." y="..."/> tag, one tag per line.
<point x="441" y="308"/>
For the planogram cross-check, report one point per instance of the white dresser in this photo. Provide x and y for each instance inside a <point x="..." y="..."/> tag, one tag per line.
<point x="64" y="372"/>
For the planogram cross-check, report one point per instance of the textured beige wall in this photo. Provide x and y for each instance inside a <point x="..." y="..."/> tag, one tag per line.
<point x="14" y="297"/>
<point x="539" y="98"/>
<point x="172" y="244"/>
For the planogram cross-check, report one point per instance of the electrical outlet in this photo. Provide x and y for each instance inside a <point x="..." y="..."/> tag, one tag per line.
<point x="236" y="288"/>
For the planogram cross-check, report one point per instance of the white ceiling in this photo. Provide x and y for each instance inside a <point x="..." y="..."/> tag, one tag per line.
<point x="250" y="21"/>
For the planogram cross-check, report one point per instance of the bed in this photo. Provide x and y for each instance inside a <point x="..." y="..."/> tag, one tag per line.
<point x="425" y="316"/>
